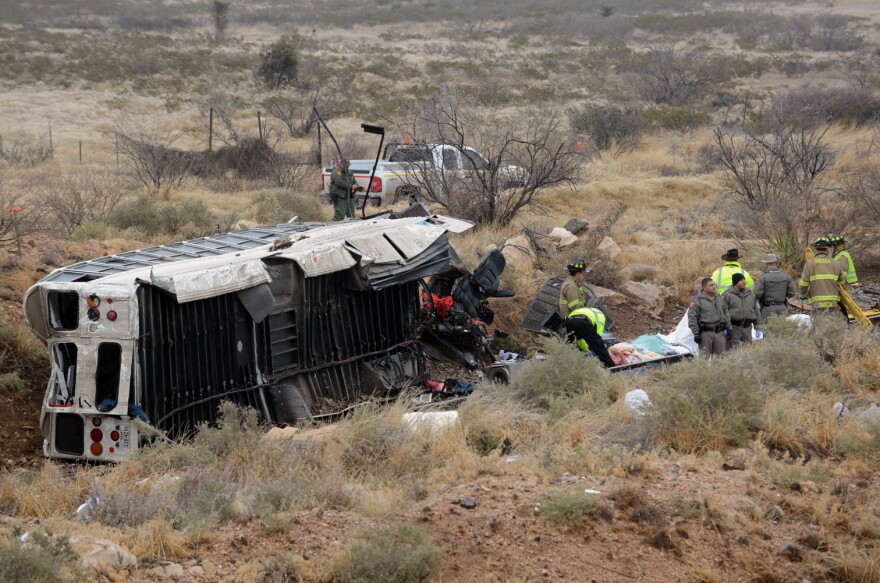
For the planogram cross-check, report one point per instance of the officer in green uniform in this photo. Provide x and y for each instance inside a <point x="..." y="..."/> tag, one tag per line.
<point x="342" y="188"/>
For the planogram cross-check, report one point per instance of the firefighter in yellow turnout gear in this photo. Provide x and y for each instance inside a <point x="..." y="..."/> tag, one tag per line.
<point x="845" y="259"/>
<point x="820" y="277"/>
<point x="572" y="294"/>
<point x="586" y="325"/>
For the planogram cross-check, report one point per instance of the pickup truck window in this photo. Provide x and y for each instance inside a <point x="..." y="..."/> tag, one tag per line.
<point x="410" y="155"/>
<point x="474" y="160"/>
<point x="450" y="159"/>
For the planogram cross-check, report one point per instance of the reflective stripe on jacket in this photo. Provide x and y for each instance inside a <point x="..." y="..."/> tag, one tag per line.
<point x="571" y="296"/>
<point x="723" y="276"/>
<point x="596" y="317"/>
<point x="819" y="281"/>
<point x="846" y="260"/>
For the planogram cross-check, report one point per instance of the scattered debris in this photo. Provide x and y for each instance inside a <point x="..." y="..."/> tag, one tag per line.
<point x="791" y="551"/>
<point x="101" y="553"/>
<point x="638" y="402"/>
<point x="592" y="492"/>
<point x="467" y="503"/>
<point x="434" y="420"/>
<point x="728" y="467"/>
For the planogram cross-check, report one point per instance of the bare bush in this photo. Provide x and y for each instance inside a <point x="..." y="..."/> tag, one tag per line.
<point x="295" y="107"/>
<point x="780" y="186"/>
<point x="831" y="32"/>
<point x="223" y="107"/>
<point x="611" y="129"/>
<point x="147" y="153"/>
<point x="26" y="151"/>
<point x="505" y="163"/>
<point x="20" y="216"/>
<point x="850" y="106"/>
<point x="668" y="76"/>
<point x="82" y="195"/>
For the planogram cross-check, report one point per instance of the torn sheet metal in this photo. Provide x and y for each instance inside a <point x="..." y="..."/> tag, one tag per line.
<point x="200" y="284"/>
<point x="412" y="240"/>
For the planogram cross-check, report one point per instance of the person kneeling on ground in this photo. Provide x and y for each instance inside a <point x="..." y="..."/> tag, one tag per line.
<point x="585" y="326"/>
<point x="742" y="310"/>
<point x="708" y="319"/>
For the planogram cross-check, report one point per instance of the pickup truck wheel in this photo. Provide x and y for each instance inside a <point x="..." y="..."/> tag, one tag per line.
<point x="410" y="192"/>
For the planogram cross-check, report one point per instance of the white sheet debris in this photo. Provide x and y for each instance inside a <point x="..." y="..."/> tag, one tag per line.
<point x="434" y="420"/>
<point x="637" y="401"/>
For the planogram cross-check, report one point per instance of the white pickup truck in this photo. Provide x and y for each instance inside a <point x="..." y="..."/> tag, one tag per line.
<point x="399" y="174"/>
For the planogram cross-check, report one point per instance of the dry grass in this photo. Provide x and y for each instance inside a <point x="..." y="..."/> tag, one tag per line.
<point x="157" y="539"/>
<point x="45" y="493"/>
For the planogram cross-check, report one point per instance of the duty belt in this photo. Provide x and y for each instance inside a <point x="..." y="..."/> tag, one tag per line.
<point x="715" y="328"/>
<point x="741" y="322"/>
<point x="773" y="303"/>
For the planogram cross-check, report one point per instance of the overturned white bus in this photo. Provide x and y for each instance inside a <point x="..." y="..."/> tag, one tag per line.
<point x="291" y="320"/>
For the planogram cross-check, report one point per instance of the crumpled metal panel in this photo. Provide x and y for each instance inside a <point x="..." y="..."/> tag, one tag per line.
<point x="322" y="259"/>
<point x="412" y="240"/>
<point x="375" y="250"/>
<point x="199" y="284"/>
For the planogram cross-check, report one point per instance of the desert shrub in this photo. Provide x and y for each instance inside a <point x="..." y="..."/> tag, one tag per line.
<point x="400" y="554"/>
<point x="786" y="362"/>
<point x="378" y="442"/>
<point x="146" y="19"/>
<point x="208" y="495"/>
<point x="854" y="565"/>
<point x="860" y="439"/>
<point x="48" y="559"/>
<point x="676" y="118"/>
<point x="610" y="128"/>
<point x="279" y="63"/>
<point x="131" y="506"/>
<point x="567" y="377"/>
<point x="797" y="421"/>
<point x="11" y="382"/>
<point x="23" y="358"/>
<point x="569" y="508"/>
<point x="848" y="106"/>
<point x="271" y="207"/>
<point x="492" y="422"/>
<point x="835" y="338"/>
<point x="274" y="568"/>
<point x="152" y="217"/>
<point x="702" y="405"/>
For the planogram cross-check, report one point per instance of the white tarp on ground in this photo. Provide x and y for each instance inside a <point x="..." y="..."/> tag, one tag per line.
<point x="199" y="284"/>
<point x="682" y="335"/>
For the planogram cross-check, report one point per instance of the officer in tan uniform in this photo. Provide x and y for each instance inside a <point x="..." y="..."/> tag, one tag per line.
<point x="572" y="294"/>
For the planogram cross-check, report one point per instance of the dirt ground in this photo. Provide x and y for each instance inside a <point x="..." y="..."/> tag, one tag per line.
<point x="506" y="538"/>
